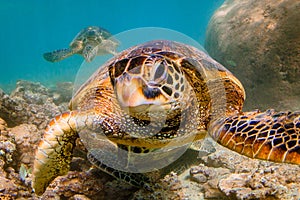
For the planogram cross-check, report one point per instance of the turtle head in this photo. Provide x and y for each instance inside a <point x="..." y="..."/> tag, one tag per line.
<point x="85" y="36"/>
<point x="148" y="83"/>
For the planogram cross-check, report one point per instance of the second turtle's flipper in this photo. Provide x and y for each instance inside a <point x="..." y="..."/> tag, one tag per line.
<point x="108" y="46"/>
<point x="58" y="55"/>
<point x="54" y="153"/>
<point x="269" y="135"/>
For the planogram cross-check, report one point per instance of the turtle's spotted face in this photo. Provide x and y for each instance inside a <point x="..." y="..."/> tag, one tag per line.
<point x="147" y="82"/>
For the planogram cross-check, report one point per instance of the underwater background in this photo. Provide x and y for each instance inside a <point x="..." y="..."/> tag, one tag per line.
<point x="31" y="28"/>
<point x="258" y="41"/>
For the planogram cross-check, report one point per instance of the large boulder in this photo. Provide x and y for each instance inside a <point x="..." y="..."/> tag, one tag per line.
<point x="259" y="41"/>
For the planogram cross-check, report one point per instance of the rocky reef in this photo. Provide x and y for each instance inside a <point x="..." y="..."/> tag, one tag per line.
<point x="215" y="173"/>
<point x="33" y="102"/>
<point x="259" y="41"/>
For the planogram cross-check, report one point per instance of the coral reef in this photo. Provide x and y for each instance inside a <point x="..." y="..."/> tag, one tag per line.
<point x="26" y="136"/>
<point x="11" y="185"/>
<point x="10" y="110"/>
<point x="32" y="103"/>
<point x="228" y="175"/>
<point x="259" y="41"/>
<point x="215" y="173"/>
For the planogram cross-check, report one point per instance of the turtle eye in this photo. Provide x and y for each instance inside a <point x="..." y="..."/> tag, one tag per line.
<point x="159" y="72"/>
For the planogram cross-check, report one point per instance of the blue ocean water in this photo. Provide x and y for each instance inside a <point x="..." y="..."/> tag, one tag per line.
<point x="33" y="27"/>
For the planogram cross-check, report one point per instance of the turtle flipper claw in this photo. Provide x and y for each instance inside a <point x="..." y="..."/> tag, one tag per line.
<point x="58" y="55"/>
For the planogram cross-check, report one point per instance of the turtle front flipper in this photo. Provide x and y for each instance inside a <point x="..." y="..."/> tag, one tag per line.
<point x="269" y="135"/>
<point x="58" y="55"/>
<point x="54" y="153"/>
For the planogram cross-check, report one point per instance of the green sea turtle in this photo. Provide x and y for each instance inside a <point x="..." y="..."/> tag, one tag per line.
<point x="169" y="85"/>
<point x="89" y="42"/>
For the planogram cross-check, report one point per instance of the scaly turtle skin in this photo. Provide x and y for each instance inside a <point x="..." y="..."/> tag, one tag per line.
<point x="171" y="78"/>
<point x="89" y="42"/>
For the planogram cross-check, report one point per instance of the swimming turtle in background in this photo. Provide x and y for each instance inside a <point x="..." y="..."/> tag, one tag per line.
<point x="89" y="42"/>
<point x="169" y="85"/>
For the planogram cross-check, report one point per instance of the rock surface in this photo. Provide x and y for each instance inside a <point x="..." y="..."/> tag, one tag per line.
<point x="216" y="174"/>
<point x="32" y="103"/>
<point x="259" y="41"/>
